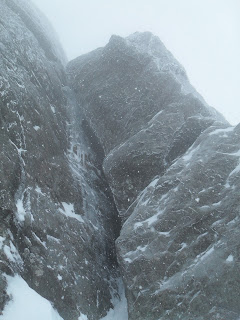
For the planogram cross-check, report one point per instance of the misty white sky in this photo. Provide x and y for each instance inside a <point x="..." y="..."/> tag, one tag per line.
<point x="204" y="35"/>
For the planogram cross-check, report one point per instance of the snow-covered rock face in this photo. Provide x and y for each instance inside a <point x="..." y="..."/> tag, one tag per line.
<point x="173" y="165"/>
<point x="133" y="126"/>
<point x="179" y="250"/>
<point x="58" y="221"/>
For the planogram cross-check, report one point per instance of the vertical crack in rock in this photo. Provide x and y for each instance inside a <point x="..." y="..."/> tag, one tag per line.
<point x="85" y="156"/>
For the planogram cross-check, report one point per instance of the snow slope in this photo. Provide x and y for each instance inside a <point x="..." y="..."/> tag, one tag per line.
<point x="26" y="304"/>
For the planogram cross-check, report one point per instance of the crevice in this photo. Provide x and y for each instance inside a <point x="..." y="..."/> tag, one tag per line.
<point x="86" y="158"/>
<point x="98" y="150"/>
<point x="118" y="293"/>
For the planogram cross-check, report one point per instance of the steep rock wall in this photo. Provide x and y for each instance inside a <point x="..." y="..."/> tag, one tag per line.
<point x="139" y="102"/>
<point x="173" y="165"/>
<point x="58" y="219"/>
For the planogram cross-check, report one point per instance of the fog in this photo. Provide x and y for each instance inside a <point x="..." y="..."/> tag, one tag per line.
<point x="202" y="34"/>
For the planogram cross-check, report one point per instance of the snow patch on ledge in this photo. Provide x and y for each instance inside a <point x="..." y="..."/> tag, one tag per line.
<point x="26" y="304"/>
<point x="230" y="258"/>
<point x="21" y="213"/>
<point x="12" y="254"/>
<point x="69" y="211"/>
